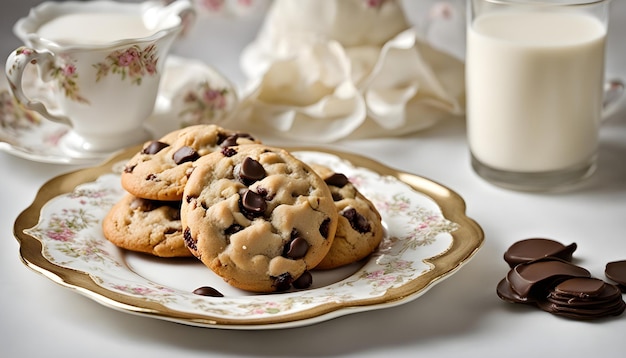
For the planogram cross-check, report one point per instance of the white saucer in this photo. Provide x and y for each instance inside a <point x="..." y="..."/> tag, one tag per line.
<point x="180" y="102"/>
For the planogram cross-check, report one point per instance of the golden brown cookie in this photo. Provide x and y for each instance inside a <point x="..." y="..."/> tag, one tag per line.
<point x="258" y="217"/>
<point x="159" y="171"/>
<point x="360" y="229"/>
<point x="147" y="226"/>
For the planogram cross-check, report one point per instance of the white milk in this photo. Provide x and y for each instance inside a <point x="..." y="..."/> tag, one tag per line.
<point x="93" y="28"/>
<point x="534" y="89"/>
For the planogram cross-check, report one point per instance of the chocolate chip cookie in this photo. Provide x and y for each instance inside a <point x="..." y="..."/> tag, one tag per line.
<point x="147" y="226"/>
<point x="359" y="230"/>
<point x="258" y="217"/>
<point x="159" y="171"/>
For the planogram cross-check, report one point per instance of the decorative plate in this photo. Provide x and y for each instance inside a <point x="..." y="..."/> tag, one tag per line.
<point x="428" y="237"/>
<point x="190" y="92"/>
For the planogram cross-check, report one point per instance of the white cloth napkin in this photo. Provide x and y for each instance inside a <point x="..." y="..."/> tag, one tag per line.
<point x="325" y="70"/>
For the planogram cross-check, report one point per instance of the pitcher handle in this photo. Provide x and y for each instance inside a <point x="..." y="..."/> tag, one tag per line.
<point x="613" y="92"/>
<point x="16" y="64"/>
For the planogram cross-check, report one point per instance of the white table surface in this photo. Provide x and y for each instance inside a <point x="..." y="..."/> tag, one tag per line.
<point x="459" y="317"/>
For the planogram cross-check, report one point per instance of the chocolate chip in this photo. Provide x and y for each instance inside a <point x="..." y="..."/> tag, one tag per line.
<point x="207" y="291"/>
<point x="154" y="147"/>
<point x="616" y="271"/>
<point x="264" y="193"/>
<point x="297" y="248"/>
<point x="129" y="168"/>
<point x="251" y="171"/>
<point x="170" y="231"/>
<point x="304" y="281"/>
<point x="228" y="152"/>
<point x="337" y="179"/>
<point x="189" y="241"/>
<point x="325" y="227"/>
<point x="536" y="248"/>
<point x="356" y="220"/>
<point x="337" y="196"/>
<point x="252" y="204"/>
<point x="151" y="177"/>
<point x="185" y="154"/>
<point x="283" y="282"/>
<point x="234" y="228"/>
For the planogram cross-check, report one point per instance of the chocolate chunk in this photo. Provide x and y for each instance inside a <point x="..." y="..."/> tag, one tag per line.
<point x="129" y="168"/>
<point x="337" y="179"/>
<point x="297" y="248"/>
<point x="154" y="147"/>
<point x="325" y="227"/>
<point x="228" y="152"/>
<point x="616" y="271"/>
<point x="234" y="228"/>
<point x="536" y="248"/>
<point x="207" y="291"/>
<point x="252" y="204"/>
<point x="185" y="154"/>
<point x="304" y="281"/>
<point x="283" y="282"/>
<point x="531" y="278"/>
<point x="190" y="242"/>
<point x="251" y="171"/>
<point x="357" y="221"/>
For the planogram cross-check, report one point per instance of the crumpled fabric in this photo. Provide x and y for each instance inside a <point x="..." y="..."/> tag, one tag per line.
<point x="322" y="71"/>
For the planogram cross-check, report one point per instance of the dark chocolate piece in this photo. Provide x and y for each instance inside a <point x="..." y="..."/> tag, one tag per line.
<point x="190" y="242"/>
<point x="154" y="147"/>
<point x="207" y="291"/>
<point x="505" y="293"/>
<point x="185" y="154"/>
<point x="584" y="299"/>
<point x="337" y="179"/>
<point x="531" y="279"/>
<point x="283" y="282"/>
<point x="616" y="271"/>
<point x="536" y="248"/>
<point x="356" y="220"/>
<point x="252" y="204"/>
<point x="304" y="281"/>
<point x="297" y="248"/>
<point x="251" y="171"/>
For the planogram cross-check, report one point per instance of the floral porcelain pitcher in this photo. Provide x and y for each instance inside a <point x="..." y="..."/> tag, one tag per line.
<point x="102" y="61"/>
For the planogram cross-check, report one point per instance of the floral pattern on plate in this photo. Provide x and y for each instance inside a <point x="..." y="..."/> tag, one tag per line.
<point x="68" y="227"/>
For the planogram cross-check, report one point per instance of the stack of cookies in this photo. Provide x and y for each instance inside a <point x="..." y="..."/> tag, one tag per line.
<point x="255" y="215"/>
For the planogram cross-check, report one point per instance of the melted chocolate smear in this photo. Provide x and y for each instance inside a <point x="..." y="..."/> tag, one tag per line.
<point x="185" y="154"/>
<point x="536" y="248"/>
<point x="207" y="291"/>
<point x="251" y="171"/>
<point x="337" y="179"/>
<point x="357" y="221"/>
<point x="304" y="281"/>
<point x="616" y="271"/>
<point x="154" y="147"/>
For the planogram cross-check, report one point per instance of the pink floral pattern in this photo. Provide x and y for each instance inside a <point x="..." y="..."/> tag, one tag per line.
<point x="70" y="230"/>
<point x="66" y="77"/>
<point x="133" y="62"/>
<point x="13" y="116"/>
<point x="204" y="104"/>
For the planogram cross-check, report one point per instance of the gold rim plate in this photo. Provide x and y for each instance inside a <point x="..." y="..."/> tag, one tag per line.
<point x="428" y="238"/>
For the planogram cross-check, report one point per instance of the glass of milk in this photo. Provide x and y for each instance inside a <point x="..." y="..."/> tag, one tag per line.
<point x="535" y="79"/>
<point x="102" y="61"/>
